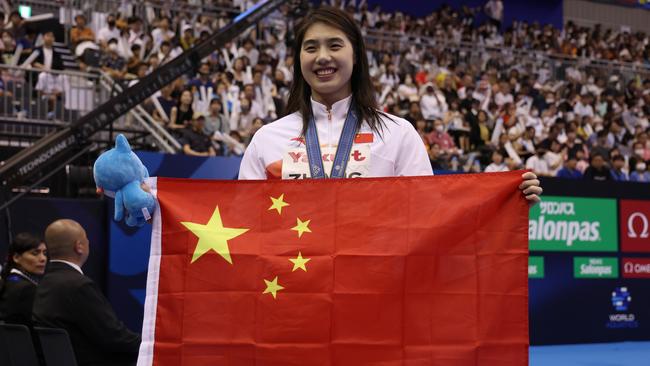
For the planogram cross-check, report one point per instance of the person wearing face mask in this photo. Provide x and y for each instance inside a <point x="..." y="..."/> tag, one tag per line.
<point x="332" y="103"/>
<point x="442" y="138"/>
<point x="108" y="32"/>
<point x="433" y="103"/>
<point x="112" y="63"/>
<point x="640" y="174"/>
<point x="407" y="91"/>
<point x="26" y="259"/>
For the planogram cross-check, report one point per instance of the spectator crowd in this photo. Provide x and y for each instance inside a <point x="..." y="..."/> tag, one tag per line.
<point x="483" y="108"/>
<point x="479" y="108"/>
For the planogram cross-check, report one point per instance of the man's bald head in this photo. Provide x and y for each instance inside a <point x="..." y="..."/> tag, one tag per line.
<point x="64" y="238"/>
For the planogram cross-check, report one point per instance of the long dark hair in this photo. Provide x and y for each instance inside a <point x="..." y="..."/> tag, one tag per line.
<point x="363" y="93"/>
<point x="22" y="243"/>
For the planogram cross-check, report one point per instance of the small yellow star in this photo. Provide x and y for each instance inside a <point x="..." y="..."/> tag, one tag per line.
<point x="272" y="287"/>
<point x="301" y="227"/>
<point x="278" y="203"/>
<point x="299" y="262"/>
<point x="213" y="235"/>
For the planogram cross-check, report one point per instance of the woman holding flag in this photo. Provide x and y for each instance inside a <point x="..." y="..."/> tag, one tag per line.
<point x="333" y="128"/>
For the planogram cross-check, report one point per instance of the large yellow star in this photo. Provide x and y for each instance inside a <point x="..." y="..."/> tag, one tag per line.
<point x="272" y="287"/>
<point x="301" y="227"/>
<point x="299" y="262"/>
<point x="278" y="203"/>
<point x="213" y="236"/>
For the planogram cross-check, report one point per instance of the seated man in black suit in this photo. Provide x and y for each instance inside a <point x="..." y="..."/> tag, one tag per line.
<point x="67" y="299"/>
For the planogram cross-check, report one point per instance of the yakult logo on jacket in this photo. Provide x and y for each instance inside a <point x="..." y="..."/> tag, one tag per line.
<point x="360" y="138"/>
<point x="302" y="157"/>
<point x="295" y="164"/>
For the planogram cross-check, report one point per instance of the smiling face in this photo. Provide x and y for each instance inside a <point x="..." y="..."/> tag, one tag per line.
<point x="327" y="61"/>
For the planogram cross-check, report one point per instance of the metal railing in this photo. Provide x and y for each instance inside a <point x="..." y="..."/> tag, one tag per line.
<point x="172" y="7"/>
<point x="34" y="103"/>
<point x="47" y="95"/>
<point x="152" y="9"/>
<point x="66" y="10"/>
<point x="161" y="137"/>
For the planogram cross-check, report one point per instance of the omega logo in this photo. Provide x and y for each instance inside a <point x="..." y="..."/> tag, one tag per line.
<point x="630" y="225"/>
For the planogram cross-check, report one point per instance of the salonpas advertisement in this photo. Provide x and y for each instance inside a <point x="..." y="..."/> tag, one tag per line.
<point x="573" y="224"/>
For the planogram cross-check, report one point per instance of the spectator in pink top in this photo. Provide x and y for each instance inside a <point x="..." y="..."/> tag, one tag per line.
<point x="441" y="137"/>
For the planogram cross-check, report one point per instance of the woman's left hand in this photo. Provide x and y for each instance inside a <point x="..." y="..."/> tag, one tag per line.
<point x="530" y="187"/>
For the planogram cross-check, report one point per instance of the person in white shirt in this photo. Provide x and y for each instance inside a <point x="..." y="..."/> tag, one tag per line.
<point x="583" y="106"/>
<point x="408" y="91"/>
<point x="538" y="164"/>
<point x="243" y="115"/>
<point x="108" y="32"/>
<point x="249" y="50"/>
<point x="161" y="33"/>
<point x="483" y="94"/>
<point x="390" y="77"/>
<point x="331" y="77"/>
<point x="554" y="158"/>
<point x="433" y="104"/>
<point x="503" y="95"/>
<point x="50" y="84"/>
<point x="497" y="164"/>
<point x="136" y="34"/>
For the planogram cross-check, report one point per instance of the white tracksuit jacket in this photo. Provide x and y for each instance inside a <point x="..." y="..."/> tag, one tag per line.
<point x="277" y="150"/>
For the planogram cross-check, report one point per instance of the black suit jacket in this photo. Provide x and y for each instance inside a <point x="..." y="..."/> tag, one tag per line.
<point x="16" y="300"/>
<point x="67" y="299"/>
<point x="57" y="61"/>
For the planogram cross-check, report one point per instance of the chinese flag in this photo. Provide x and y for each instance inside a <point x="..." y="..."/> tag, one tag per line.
<point x="402" y="271"/>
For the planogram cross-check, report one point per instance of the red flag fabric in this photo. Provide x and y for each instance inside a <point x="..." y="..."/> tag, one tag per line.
<point x="387" y="271"/>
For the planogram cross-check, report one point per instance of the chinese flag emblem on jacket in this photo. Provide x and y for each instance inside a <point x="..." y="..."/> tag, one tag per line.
<point x="389" y="271"/>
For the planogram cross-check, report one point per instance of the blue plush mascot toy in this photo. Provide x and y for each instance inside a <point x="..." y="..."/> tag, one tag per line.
<point x="119" y="172"/>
